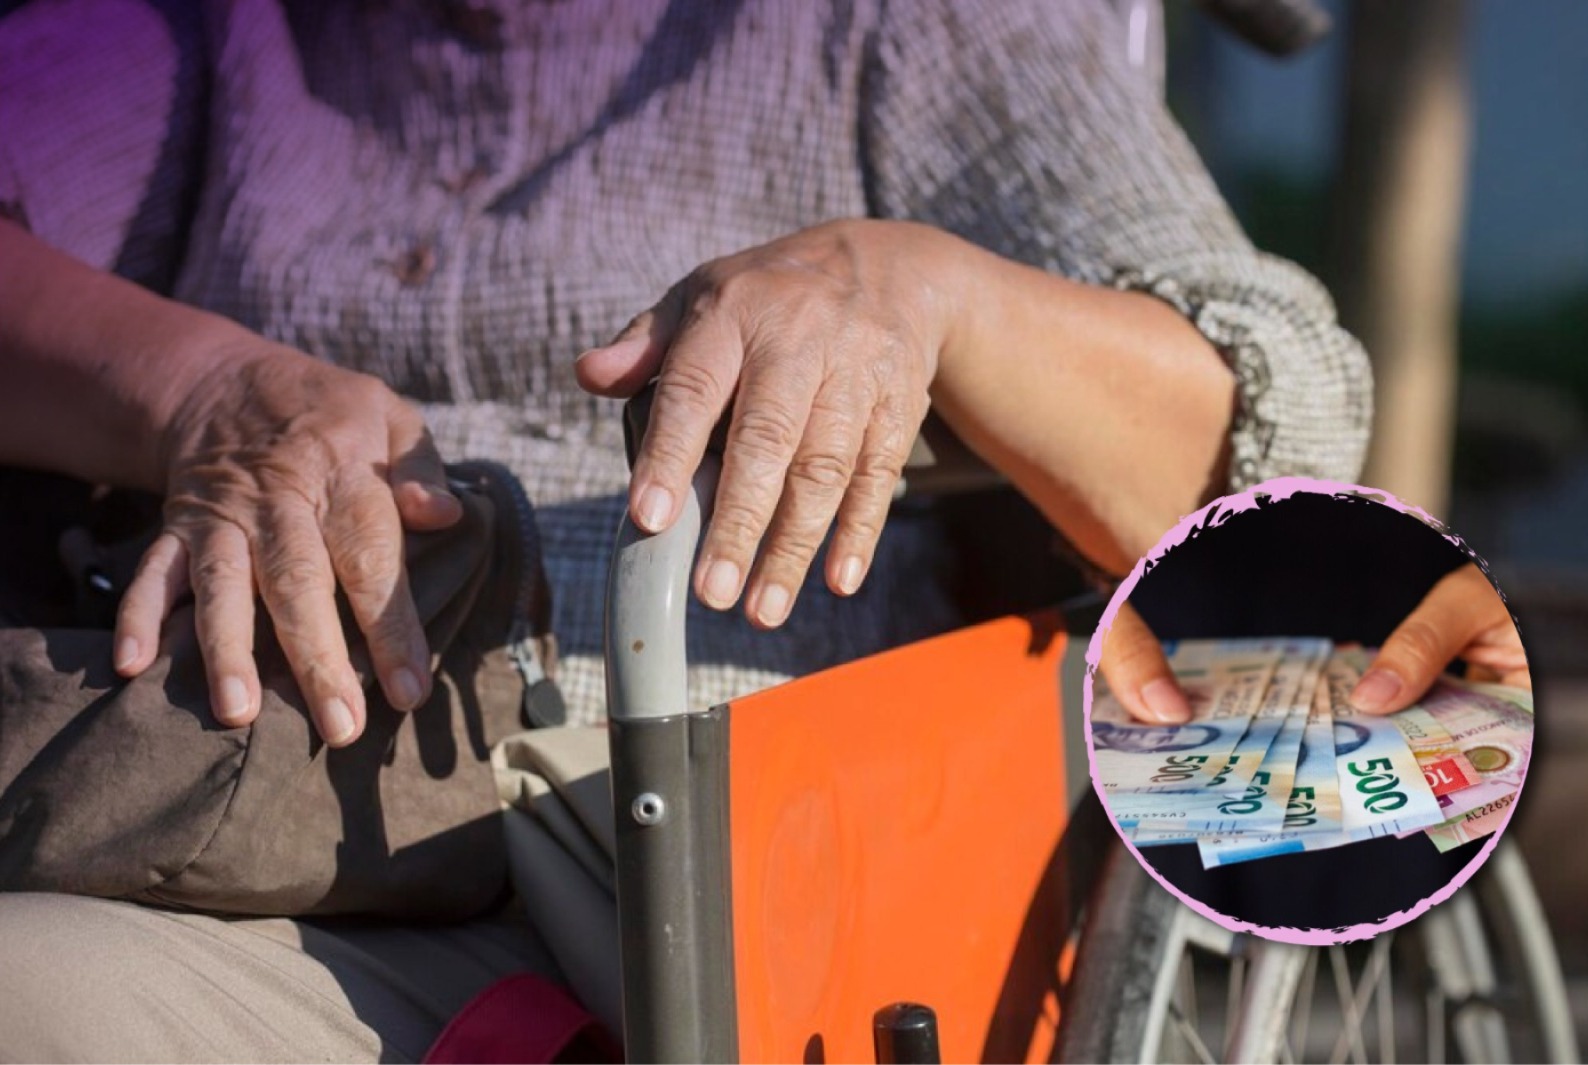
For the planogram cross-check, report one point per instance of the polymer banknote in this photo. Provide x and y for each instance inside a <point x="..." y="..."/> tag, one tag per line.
<point x="1276" y="760"/>
<point x="1224" y="681"/>
<point x="1252" y="799"/>
<point x="1372" y="785"/>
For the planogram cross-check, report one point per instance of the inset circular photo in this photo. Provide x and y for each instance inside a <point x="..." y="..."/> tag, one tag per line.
<point x="1309" y="712"/>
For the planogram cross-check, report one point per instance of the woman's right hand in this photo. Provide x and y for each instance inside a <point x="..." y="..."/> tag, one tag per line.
<point x="1462" y="616"/>
<point x="284" y="477"/>
<point x="288" y="477"/>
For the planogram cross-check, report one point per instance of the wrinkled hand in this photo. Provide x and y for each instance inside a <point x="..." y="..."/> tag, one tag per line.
<point x="825" y="343"/>
<point x="288" y="477"/>
<point x="1462" y="616"/>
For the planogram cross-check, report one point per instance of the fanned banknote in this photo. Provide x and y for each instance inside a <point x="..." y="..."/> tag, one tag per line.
<point x="1378" y="784"/>
<point x="1312" y="814"/>
<point x="1474" y="824"/>
<point x="1491" y="725"/>
<point x="1241" y="799"/>
<point x="1444" y="765"/>
<point x="1276" y="760"/>
<point x="1223" y="680"/>
<point x="1382" y="788"/>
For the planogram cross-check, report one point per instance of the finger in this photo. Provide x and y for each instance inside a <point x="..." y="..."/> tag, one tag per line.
<point x="697" y="378"/>
<point x="223" y="599"/>
<point x="770" y="418"/>
<point x="364" y="537"/>
<point x="634" y="356"/>
<point x="417" y="477"/>
<point x="818" y="476"/>
<point x="1496" y="656"/>
<point x="1518" y="678"/>
<point x="1138" y="673"/>
<point x="865" y="506"/>
<point x="296" y="580"/>
<point x="1456" y="610"/>
<point x="161" y="580"/>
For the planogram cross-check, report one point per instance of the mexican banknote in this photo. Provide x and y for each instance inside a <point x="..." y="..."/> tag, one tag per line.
<point x="1275" y="760"/>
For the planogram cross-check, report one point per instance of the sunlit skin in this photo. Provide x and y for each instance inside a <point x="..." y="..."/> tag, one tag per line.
<point x="287" y="478"/>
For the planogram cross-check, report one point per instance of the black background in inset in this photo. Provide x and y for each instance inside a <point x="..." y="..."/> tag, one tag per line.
<point x="1309" y="565"/>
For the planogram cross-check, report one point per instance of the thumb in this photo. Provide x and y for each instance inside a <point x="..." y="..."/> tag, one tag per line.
<point x="417" y="477"/>
<point x="1138" y="673"/>
<point x="633" y="358"/>
<point x="1455" y="611"/>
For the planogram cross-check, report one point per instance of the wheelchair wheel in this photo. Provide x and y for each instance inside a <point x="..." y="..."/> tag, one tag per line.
<point x="1475" y="979"/>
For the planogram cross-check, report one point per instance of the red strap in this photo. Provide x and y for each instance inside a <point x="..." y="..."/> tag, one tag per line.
<point x="522" y="1018"/>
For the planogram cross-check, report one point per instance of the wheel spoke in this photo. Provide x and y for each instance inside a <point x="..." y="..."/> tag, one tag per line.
<point x="1189" y="1033"/>
<point x="1351" y="1030"/>
<point x="1386" y="1008"/>
<point x="1309" y="975"/>
<point x="1232" y="999"/>
<point x="1436" y="1026"/>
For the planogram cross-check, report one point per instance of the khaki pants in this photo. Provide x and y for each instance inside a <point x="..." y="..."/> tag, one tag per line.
<point x="94" y="980"/>
<point x="84" y="979"/>
<point x="87" y="979"/>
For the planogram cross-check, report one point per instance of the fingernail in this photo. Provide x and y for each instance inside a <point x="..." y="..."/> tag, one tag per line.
<point x="337" y="721"/>
<point x="232" y="705"/>
<point x="721" y="586"/>
<point x="1165" y="702"/>
<point x="126" y="652"/>
<point x="771" y="606"/>
<point x="1375" y="690"/>
<point x="656" y="506"/>
<point x="849" y="575"/>
<point x="405" y="689"/>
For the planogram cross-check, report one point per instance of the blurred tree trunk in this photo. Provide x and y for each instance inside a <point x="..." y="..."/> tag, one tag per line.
<point x="1398" y="207"/>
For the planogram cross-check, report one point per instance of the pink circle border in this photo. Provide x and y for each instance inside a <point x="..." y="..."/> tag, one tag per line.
<point x="1194" y="524"/>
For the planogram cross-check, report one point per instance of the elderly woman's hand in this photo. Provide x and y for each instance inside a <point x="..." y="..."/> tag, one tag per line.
<point x="291" y="477"/>
<point x="1108" y="409"/>
<point x="824" y="343"/>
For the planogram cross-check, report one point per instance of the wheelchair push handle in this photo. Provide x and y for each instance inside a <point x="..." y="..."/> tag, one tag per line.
<point x="647" y="595"/>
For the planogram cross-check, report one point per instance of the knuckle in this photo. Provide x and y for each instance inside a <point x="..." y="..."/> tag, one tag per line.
<point x="735" y="528"/>
<point x="392" y="631"/>
<point x="318" y="671"/>
<point x="791" y="551"/>
<point x="367" y="565"/>
<point x="222" y="648"/>
<point x="766" y="431"/>
<point x="824" y="470"/>
<point x="691" y="386"/>
<point x="1418" y="643"/>
<point x="293" y="577"/>
<point x="1136" y="656"/>
<point x="371" y="393"/>
<point x="862" y="525"/>
<point x="211" y="570"/>
<point x="877" y="470"/>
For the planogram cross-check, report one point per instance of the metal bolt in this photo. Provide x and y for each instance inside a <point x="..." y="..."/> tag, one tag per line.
<point x="648" y="809"/>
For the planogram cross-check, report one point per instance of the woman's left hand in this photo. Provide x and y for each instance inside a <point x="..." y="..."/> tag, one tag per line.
<point x="825" y="343"/>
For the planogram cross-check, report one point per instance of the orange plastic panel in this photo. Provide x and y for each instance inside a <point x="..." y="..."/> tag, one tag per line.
<point x="894" y="825"/>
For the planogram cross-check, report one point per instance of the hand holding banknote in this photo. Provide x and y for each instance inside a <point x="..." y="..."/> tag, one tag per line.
<point x="1138" y="674"/>
<point x="1462" y="616"/>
